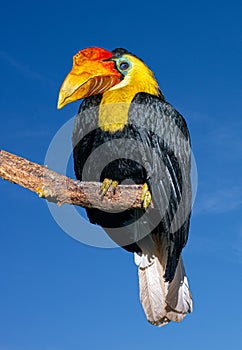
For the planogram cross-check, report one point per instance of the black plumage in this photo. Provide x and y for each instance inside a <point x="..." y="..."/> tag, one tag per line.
<point x="153" y="148"/>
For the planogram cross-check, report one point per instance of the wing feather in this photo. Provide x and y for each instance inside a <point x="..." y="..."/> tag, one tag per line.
<point x="167" y="132"/>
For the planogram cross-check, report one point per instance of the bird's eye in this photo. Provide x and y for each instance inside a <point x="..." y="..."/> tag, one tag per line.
<point x="123" y="65"/>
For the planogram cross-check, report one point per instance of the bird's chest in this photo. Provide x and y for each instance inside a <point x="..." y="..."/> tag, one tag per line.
<point x="115" y="155"/>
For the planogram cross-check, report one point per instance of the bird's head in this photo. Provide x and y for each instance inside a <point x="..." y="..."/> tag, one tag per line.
<point x="96" y="70"/>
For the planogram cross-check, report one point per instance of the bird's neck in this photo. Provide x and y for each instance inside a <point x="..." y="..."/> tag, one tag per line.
<point x="115" y="104"/>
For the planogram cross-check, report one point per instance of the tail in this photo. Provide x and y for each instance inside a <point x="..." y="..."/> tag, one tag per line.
<point x="162" y="301"/>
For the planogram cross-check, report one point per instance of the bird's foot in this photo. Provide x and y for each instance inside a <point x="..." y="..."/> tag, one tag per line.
<point x="107" y="183"/>
<point x="145" y="196"/>
<point x="44" y="192"/>
<point x="40" y="192"/>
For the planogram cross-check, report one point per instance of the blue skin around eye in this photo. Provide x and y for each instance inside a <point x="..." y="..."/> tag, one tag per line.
<point x="123" y="61"/>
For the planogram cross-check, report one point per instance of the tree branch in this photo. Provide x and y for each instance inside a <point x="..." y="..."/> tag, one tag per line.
<point x="61" y="189"/>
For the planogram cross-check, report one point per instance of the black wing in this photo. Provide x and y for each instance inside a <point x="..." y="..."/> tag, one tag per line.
<point x="165" y="131"/>
<point x="86" y="123"/>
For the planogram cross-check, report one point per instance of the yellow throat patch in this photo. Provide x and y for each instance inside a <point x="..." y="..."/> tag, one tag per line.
<point x="114" y="107"/>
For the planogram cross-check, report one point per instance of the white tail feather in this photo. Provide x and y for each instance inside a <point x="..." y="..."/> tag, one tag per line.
<point x="162" y="301"/>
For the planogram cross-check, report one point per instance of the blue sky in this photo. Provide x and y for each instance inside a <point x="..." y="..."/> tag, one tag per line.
<point x="59" y="294"/>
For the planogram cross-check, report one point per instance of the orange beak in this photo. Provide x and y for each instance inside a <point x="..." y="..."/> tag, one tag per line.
<point x="92" y="73"/>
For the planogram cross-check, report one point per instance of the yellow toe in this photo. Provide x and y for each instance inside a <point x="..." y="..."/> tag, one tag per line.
<point x="40" y="192"/>
<point x="145" y="196"/>
<point x="105" y="186"/>
<point x="107" y="183"/>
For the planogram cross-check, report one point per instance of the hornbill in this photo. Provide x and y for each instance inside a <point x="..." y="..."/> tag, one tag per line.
<point x="126" y="131"/>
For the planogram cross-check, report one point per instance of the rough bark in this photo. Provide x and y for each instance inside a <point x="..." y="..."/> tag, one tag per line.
<point x="61" y="189"/>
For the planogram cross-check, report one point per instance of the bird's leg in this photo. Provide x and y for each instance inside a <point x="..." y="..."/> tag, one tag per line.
<point x="107" y="183"/>
<point x="145" y="196"/>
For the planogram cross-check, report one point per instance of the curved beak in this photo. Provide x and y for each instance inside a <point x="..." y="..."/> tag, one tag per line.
<point x="92" y="73"/>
